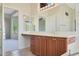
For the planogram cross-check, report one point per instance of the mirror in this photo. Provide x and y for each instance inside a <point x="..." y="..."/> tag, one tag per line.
<point x="41" y="24"/>
<point x="59" y="19"/>
<point x="28" y="23"/>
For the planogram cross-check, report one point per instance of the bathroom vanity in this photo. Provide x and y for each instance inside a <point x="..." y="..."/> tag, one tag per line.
<point x="48" y="44"/>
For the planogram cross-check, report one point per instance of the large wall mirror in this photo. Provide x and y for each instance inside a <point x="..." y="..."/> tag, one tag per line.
<point x="42" y="24"/>
<point x="58" y="19"/>
<point x="28" y="23"/>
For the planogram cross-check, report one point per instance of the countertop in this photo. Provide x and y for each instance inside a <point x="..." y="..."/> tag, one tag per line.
<point x="56" y="34"/>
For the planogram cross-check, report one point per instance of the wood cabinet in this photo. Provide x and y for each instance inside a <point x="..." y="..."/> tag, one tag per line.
<point x="38" y="45"/>
<point x="51" y="47"/>
<point x="61" y="45"/>
<point x="48" y="46"/>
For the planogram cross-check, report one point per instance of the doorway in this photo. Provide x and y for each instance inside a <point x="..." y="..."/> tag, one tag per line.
<point x="10" y="29"/>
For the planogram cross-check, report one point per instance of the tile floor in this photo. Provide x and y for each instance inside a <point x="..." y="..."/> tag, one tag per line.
<point x="10" y="44"/>
<point x="27" y="52"/>
<point x="22" y="52"/>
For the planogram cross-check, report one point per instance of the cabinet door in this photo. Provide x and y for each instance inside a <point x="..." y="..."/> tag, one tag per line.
<point x="51" y="47"/>
<point x="33" y="44"/>
<point x="38" y="45"/>
<point x="43" y="46"/>
<point x="61" y="46"/>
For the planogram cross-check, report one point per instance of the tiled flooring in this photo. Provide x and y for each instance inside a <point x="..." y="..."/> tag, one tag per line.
<point x="22" y="52"/>
<point x="10" y="44"/>
<point x="75" y="54"/>
<point x="27" y="52"/>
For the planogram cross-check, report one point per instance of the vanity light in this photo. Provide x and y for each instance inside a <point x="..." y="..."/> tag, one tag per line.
<point x="24" y="17"/>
